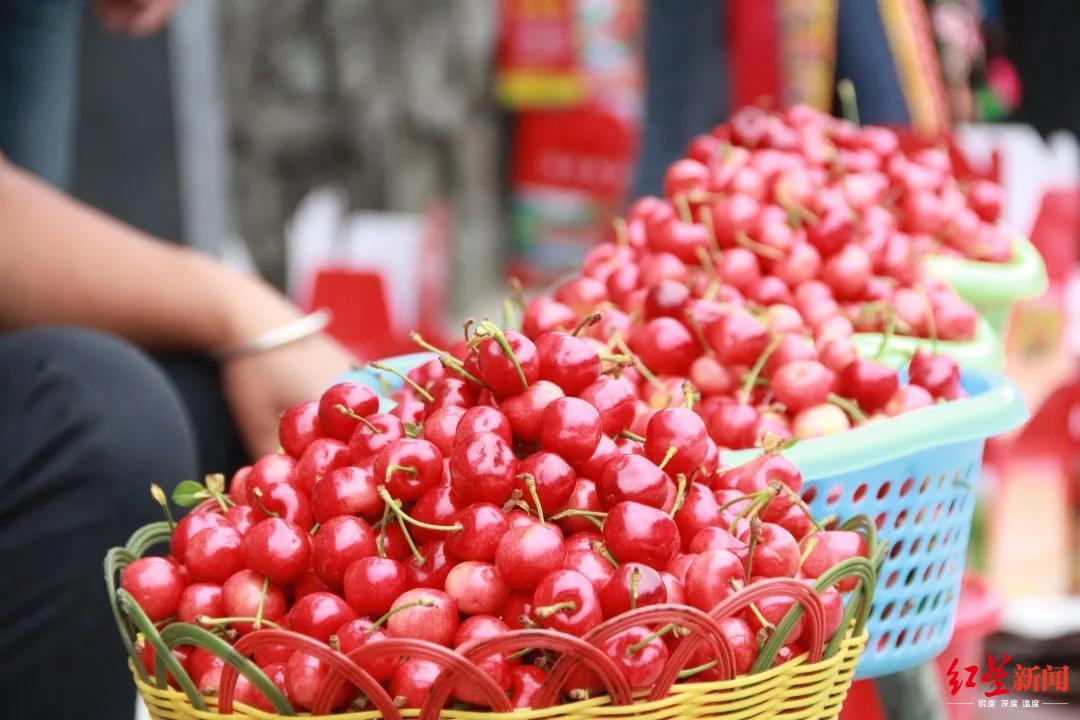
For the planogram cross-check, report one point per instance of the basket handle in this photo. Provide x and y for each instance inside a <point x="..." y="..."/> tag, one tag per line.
<point x="455" y="665"/>
<point x="335" y="660"/>
<point x="537" y="639"/>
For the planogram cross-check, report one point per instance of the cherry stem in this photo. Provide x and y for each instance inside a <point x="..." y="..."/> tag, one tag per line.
<point x="890" y="329"/>
<point x="520" y="653"/>
<point x="465" y="328"/>
<point x="639" y="645"/>
<point x="412" y="430"/>
<point x="742" y="498"/>
<point x="391" y="469"/>
<point x="632" y="436"/>
<point x="380" y="542"/>
<point x="710" y="230"/>
<point x="587" y="321"/>
<point x="798" y="210"/>
<point x="601" y="549"/>
<point x="759" y="365"/>
<point x="508" y="313"/>
<point x="578" y="694"/>
<point x="262" y="604"/>
<point x="159" y="497"/>
<point x="810" y="545"/>
<point x="258" y="493"/>
<point x="755" y="536"/>
<point x="646" y="373"/>
<point x="530" y="483"/>
<point x="497" y="334"/>
<point x="765" y="251"/>
<point x="400" y="515"/>
<point x="683" y="206"/>
<point x="671" y="452"/>
<point x="218" y="622"/>
<point x="395" y="507"/>
<point x="849" y="407"/>
<point x="405" y="379"/>
<point x="754" y="509"/>
<point x="347" y="412"/>
<point x="334" y="642"/>
<point x="547" y="611"/>
<point x="680" y="494"/>
<point x="635" y="581"/>
<point x="422" y="602"/>
<point x="691" y="394"/>
<point x="447" y="360"/>
<point x="622" y="360"/>
<point x="695" y="326"/>
<point x="797" y="500"/>
<point x="849" y="106"/>
<point x="690" y="672"/>
<point x="931" y="322"/>
<point x="622" y="238"/>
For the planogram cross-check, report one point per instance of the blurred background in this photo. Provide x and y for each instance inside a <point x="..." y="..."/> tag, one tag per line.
<point x="398" y="161"/>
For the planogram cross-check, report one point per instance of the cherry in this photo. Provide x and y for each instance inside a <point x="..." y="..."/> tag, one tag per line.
<point x="987" y="199"/>
<point x="243" y="595"/>
<point x="677" y="428"/>
<point x="739" y="268"/>
<point x="716" y="538"/>
<point x="870" y="383"/>
<point x="699" y="510"/>
<point x="551" y="478"/>
<point x="286" y="502"/>
<point x="304" y="674"/>
<point x="200" y="599"/>
<point x="634" y="532"/>
<point x="452" y="391"/>
<point x="938" y="374"/>
<point x="518" y="611"/>
<point x="544" y="314"/>
<point x="189" y="526"/>
<point x="525" y="410"/>
<point x="267" y="471"/>
<point x="568" y="361"/>
<point x="583" y="497"/>
<point x="639" y="654"/>
<point x="665" y="346"/>
<point x="483" y="469"/>
<point x="424" y="614"/>
<point x="482" y="526"/>
<point x="632" y="477"/>
<point x="614" y="400"/>
<point x="825" y="549"/>
<point x="526" y="683"/>
<point x="155" y="584"/>
<point x="241" y="517"/>
<point x="819" y="421"/>
<point x="761" y="473"/>
<point x="772" y="609"/>
<point x="581" y="294"/>
<point x="200" y="662"/>
<point x="440" y="427"/>
<point x="238" y="485"/>
<point x="351" y="490"/>
<point x="731" y="215"/>
<point x="589" y="563"/>
<point x="431" y="568"/>
<point x="796" y="522"/>
<point x="711" y="377"/>
<point x="340" y="542"/>
<point x="567" y="601"/>
<point x="409" y="467"/>
<point x="708" y="578"/>
<point x="497" y="363"/>
<point x="632" y="586"/>
<point x="371" y="436"/>
<point x="309" y="582"/>
<point x="299" y="427"/>
<point x="775" y="553"/>
<point x="570" y="427"/>
<point x="357" y="633"/>
<point x="214" y="554"/>
<point x="412" y="682"/>
<point x="371" y="584"/>
<point x="182" y="654"/>
<point x="319" y="615"/>
<point x="802" y="383"/>
<point x="482" y="418"/>
<point x="605" y="451"/>
<point x="435" y="507"/>
<point x="738" y="338"/>
<point x="667" y="298"/>
<point x="278" y="549"/>
<point x="527" y="553"/>
<point x="476" y="588"/>
<point x="802" y="263"/>
<point x="358" y="399"/>
<point x="321" y="457"/>
<point x="733" y="425"/>
<point x="908" y="398"/>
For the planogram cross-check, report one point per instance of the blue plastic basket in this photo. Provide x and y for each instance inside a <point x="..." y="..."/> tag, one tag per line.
<point x="915" y="475"/>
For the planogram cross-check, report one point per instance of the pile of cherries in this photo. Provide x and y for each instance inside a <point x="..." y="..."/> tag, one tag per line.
<point x="504" y="491"/>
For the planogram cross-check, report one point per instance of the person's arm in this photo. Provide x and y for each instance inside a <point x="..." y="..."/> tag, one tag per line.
<point x="62" y="262"/>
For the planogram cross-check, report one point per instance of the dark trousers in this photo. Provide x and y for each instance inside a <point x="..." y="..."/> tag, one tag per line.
<point x="87" y="422"/>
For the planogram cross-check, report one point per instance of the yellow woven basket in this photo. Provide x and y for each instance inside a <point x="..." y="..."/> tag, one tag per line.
<point x="810" y="687"/>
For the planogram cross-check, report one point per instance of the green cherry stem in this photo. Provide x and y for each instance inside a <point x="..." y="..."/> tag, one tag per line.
<point x="347" y="412"/>
<point x="218" y="622"/>
<point x="680" y="494"/>
<point x="638" y="646"/>
<point x="759" y="365"/>
<point x="632" y="436"/>
<point x="765" y="251"/>
<point x="159" y="497"/>
<point x="671" y="452"/>
<point x="848" y="407"/>
<point x="691" y="672"/>
<point x="395" y="507"/>
<point x="547" y="611"/>
<point x="530" y="483"/>
<point x="601" y="549"/>
<point x="497" y="334"/>
<point x="262" y="604"/>
<point x="258" y="493"/>
<point x="422" y="602"/>
<point x="635" y="581"/>
<point x="423" y="393"/>
<point x="845" y="90"/>
<point x="587" y="321"/>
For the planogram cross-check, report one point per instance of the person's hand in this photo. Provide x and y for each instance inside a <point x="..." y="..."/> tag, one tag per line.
<point x="135" y="17"/>
<point x="262" y="385"/>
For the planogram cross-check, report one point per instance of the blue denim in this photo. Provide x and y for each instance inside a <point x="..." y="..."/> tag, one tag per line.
<point x="38" y="50"/>
<point x="863" y="55"/>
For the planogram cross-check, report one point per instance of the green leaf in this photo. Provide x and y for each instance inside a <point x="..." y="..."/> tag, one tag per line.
<point x="188" y="493"/>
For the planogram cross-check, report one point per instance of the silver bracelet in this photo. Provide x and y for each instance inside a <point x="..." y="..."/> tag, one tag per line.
<point x="304" y="327"/>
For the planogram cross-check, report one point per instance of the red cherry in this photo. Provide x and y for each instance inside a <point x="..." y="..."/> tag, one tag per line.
<point x="632" y="477"/>
<point x="734" y="425"/>
<point x="552" y="478"/>
<point x="482" y="418"/>
<point x="214" y="554"/>
<point x="200" y="599"/>
<point x="708" y="578"/>
<point x="361" y="632"/>
<point x="409" y="467"/>
<point x="201" y="662"/>
<point x="483" y="469"/>
<point x="182" y="654"/>
<point x="340" y="542"/>
<point x="775" y="554"/>
<point x="309" y="583"/>
<point x="802" y="263"/>
<point x="155" y="584"/>
<point x="373" y="583"/>
<point x="518" y="611"/>
<point x="570" y="427"/>
<point x="241" y="517"/>
<point x="581" y="294"/>
<point x="738" y="338"/>
<point x="359" y="399"/>
<point x="412" y="681"/>
<point x="435" y="507"/>
<point x="638" y="533"/>
<point x="527" y="553"/>
<point x="321" y="457"/>
<point x="638" y="654"/>
<point x="908" y="398"/>
<point x="589" y="563"/>
<point x="802" y="383"/>
<point x="441" y="427"/>
<point x="717" y="538"/>
<point x="482" y="526"/>
<point x="682" y="430"/>
<point x="242" y="593"/>
<point x="287" y="502"/>
<point x="319" y="615"/>
<point x="583" y="497"/>
<point x="760" y="473"/>
<point x="372" y="436"/>
<point x="568" y="361"/>
<point x="773" y="608"/>
<point x="267" y="471"/>
<point x="393" y="543"/>
<point x="938" y="374"/>
<point x="497" y="369"/>
<point x="605" y="451"/>
<point x="477" y="588"/>
<point x="349" y="490"/>
<point x="567" y="601"/>
<point x="665" y="346"/>
<point x="304" y="674"/>
<point x="829" y="548"/>
<point x="299" y="427"/>
<point x="278" y="549"/>
<point x="699" y="510"/>
<point x="544" y="314"/>
<point x="452" y="391"/>
<point x="189" y="526"/>
<point x="615" y="402"/>
<point x="869" y="383"/>
<point x="987" y="199"/>
<point x="238" y="485"/>
<point x="632" y="585"/>
<point x="424" y="614"/>
<point x="432" y="571"/>
<point x="526" y="683"/>
<point x="525" y="410"/>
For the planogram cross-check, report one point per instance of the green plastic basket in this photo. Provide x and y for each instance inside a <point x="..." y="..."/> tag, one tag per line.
<point x="993" y="288"/>
<point x="984" y="352"/>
